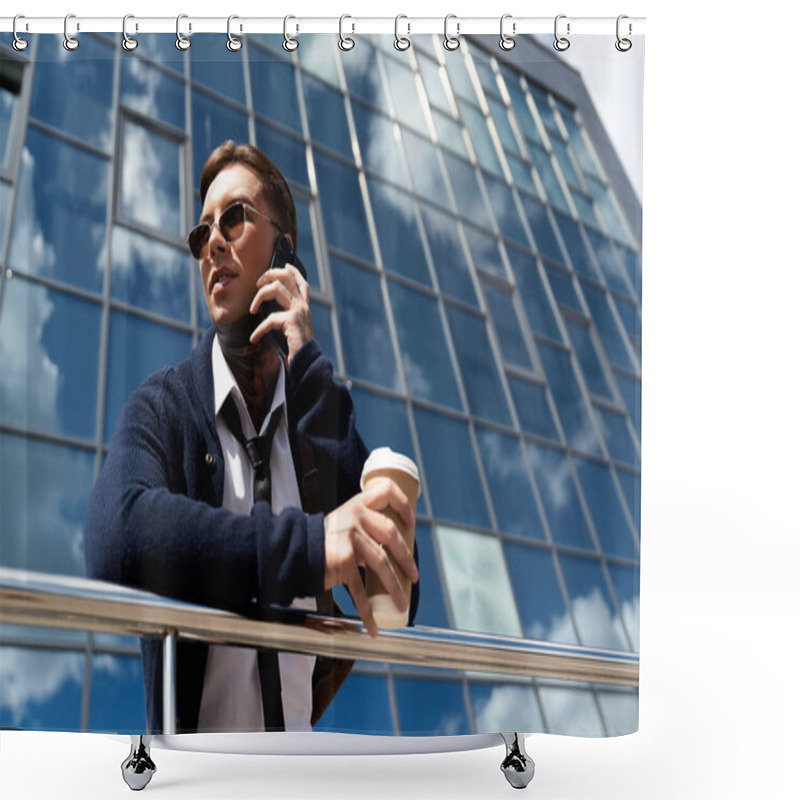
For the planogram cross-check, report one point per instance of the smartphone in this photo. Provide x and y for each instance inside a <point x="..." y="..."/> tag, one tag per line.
<point x="283" y="254"/>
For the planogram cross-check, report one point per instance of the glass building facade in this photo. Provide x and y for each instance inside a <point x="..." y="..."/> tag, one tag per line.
<point x="476" y="279"/>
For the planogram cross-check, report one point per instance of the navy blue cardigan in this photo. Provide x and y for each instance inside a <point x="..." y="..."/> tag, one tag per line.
<point x="155" y="520"/>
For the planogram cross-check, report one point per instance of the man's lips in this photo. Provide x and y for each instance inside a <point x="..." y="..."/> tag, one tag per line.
<point x="220" y="278"/>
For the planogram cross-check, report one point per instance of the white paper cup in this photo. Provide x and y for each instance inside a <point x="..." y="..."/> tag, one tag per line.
<point x="385" y="463"/>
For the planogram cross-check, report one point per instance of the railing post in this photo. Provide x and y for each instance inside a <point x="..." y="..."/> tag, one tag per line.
<point x="168" y="720"/>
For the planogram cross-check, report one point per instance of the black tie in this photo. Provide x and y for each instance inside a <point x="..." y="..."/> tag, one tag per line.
<point x="258" y="451"/>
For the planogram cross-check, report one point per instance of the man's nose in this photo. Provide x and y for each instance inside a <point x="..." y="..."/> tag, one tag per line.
<point x="216" y="241"/>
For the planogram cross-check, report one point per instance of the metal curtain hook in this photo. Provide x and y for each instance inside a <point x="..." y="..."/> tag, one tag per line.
<point x="345" y="42"/>
<point x="401" y="42"/>
<point x="182" y="43"/>
<point x="506" y="42"/>
<point x="623" y="45"/>
<point x="289" y="44"/>
<point x="233" y="44"/>
<point x="561" y="43"/>
<point x="19" y="43"/>
<point x="70" y="42"/>
<point x="451" y="42"/>
<point x="128" y="43"/>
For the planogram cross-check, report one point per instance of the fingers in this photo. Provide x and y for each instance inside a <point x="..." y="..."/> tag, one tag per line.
<point x="276" y="321"/>
<point x="361" y="602"/>
<point x="387" y="494"/>
<point x="271" y="290"/>
<point x="384" y="534"/>
<point x="290" y="277"/>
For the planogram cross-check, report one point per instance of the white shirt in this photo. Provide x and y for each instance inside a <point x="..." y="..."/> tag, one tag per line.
<point x="231" y="698"/>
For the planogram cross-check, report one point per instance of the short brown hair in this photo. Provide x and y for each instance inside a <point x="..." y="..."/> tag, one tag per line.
<point x="274" y="187"/>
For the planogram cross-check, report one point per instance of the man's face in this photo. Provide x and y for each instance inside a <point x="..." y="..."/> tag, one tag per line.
<point x="229" y="270"/>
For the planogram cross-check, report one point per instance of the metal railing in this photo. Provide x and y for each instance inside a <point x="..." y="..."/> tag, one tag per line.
<point x="54" y="601"/>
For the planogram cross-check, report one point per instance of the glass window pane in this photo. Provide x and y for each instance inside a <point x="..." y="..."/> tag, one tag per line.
<point x="274" y="89"/>
<point x="507" y="476"/>
<point x="565" y="162"/>
<point x="499" y="113"/>
<point x="343" y="211"/>
<point x="150" y="181"/>
<point x="62" y="190"/>
<point x="383" y="422"/>
<point x="610" y="265"/>
<point x="117" y="702"/>
<point x="485" y="74"/>
<point x="547" y="174"/>
<point x="630" y="317"/>
<point x="626" y="585"/>
<point x="362" y="77"/>
<point x="361" y="706"/>
<point x="633" y="264"/>
<point x="519" y="106"/>
<point x="620" y="711"/>
<point x="405" y="97"/>
<point x="617" y="436"/>
<point x="543" y="107"/>
<point x="447" y="252"/>
<point x="380" y="150"/>
<point x="364" y="328"/>
<point x="499" y="708"/>
<point x="11" y="72"/>
<point x="485" y="252"/>
<point x="432" y="609"/>
<point x="319" y="56"/>
<point x="398" y="232"/>
<point x="588" y="359"/>
<point x="482" y="141"/>
<point x="595" y="617"/>
<point x="522" y="175"/>
<point x="631" y="390"/>
<point x="152" y="93"/>
<point x="5" y="202"/>
<point x="459" y="77"/>
<point x="431" y="707"/>
<point x="322" y="320"/>
<point x="151" y="275"/>
<point x="501" y="201"/>
<point x="431" y="78"/>
<point x="327" y="120"/>
<point x="426" y="359"/>
<point x="467" y="190"/>
<point x="45" y="493"/>
<point x="482" y="383"/>
<point x="212" y="124"/>
<point x="559" y="497"/>
<point x="607" y="327"/>
<point x="426" y="169"/>
<point x="563" y="288"/>
<point x="576" y="247"/>
<point x="507" y="326"/>
<point x="570" y="712"/>
<point x="605" y="508"/>
<point x="477" y="582"/>
<point x="585" y="206"/>
<point x="48" y="370"/>
<point x="448" y="461"/>
<point x="580" y="146"/>
<point x="217" y="67"/>
<point x="572" y="409"/>
<point x="543" y="234"/>
<point x="449" y="133"/>
<point x="160" y="47"/>
<point x="608" y="211"/>
<point x="305" y="242"/>
<point x="539" y="599"/>
<point x="537" y="305"/>
<point x="533" y="410"/>
<point x="72" y="91"/>
<point x="287" y="153"/>
<point x="42" y="689"/>
<point x="137" y="348"/>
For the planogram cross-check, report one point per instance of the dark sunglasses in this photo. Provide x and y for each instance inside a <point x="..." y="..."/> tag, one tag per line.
<point x="231" y="226"/>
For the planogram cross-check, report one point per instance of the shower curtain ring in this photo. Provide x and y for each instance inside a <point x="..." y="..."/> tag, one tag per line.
<point x="19" y="43"/>
<point x="233" y="44"/>
<point x="506" y="42"/>
<point x="401" y="42"/>
<point x="289" y="44"/>
<point x="451" y="42"/>
<point x="623" y="45"/>
<point x="70" y="42"/>
<point x="182" y="43"/>
<point x="561" y="43"/>
<point x="345" y="42"/>
<point x="128" y="42"/>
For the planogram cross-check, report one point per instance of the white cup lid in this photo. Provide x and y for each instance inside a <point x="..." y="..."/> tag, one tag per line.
<point x="386" y="458"/>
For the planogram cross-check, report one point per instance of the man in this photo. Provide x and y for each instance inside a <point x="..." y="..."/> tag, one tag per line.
<point x="186" y="507"/>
